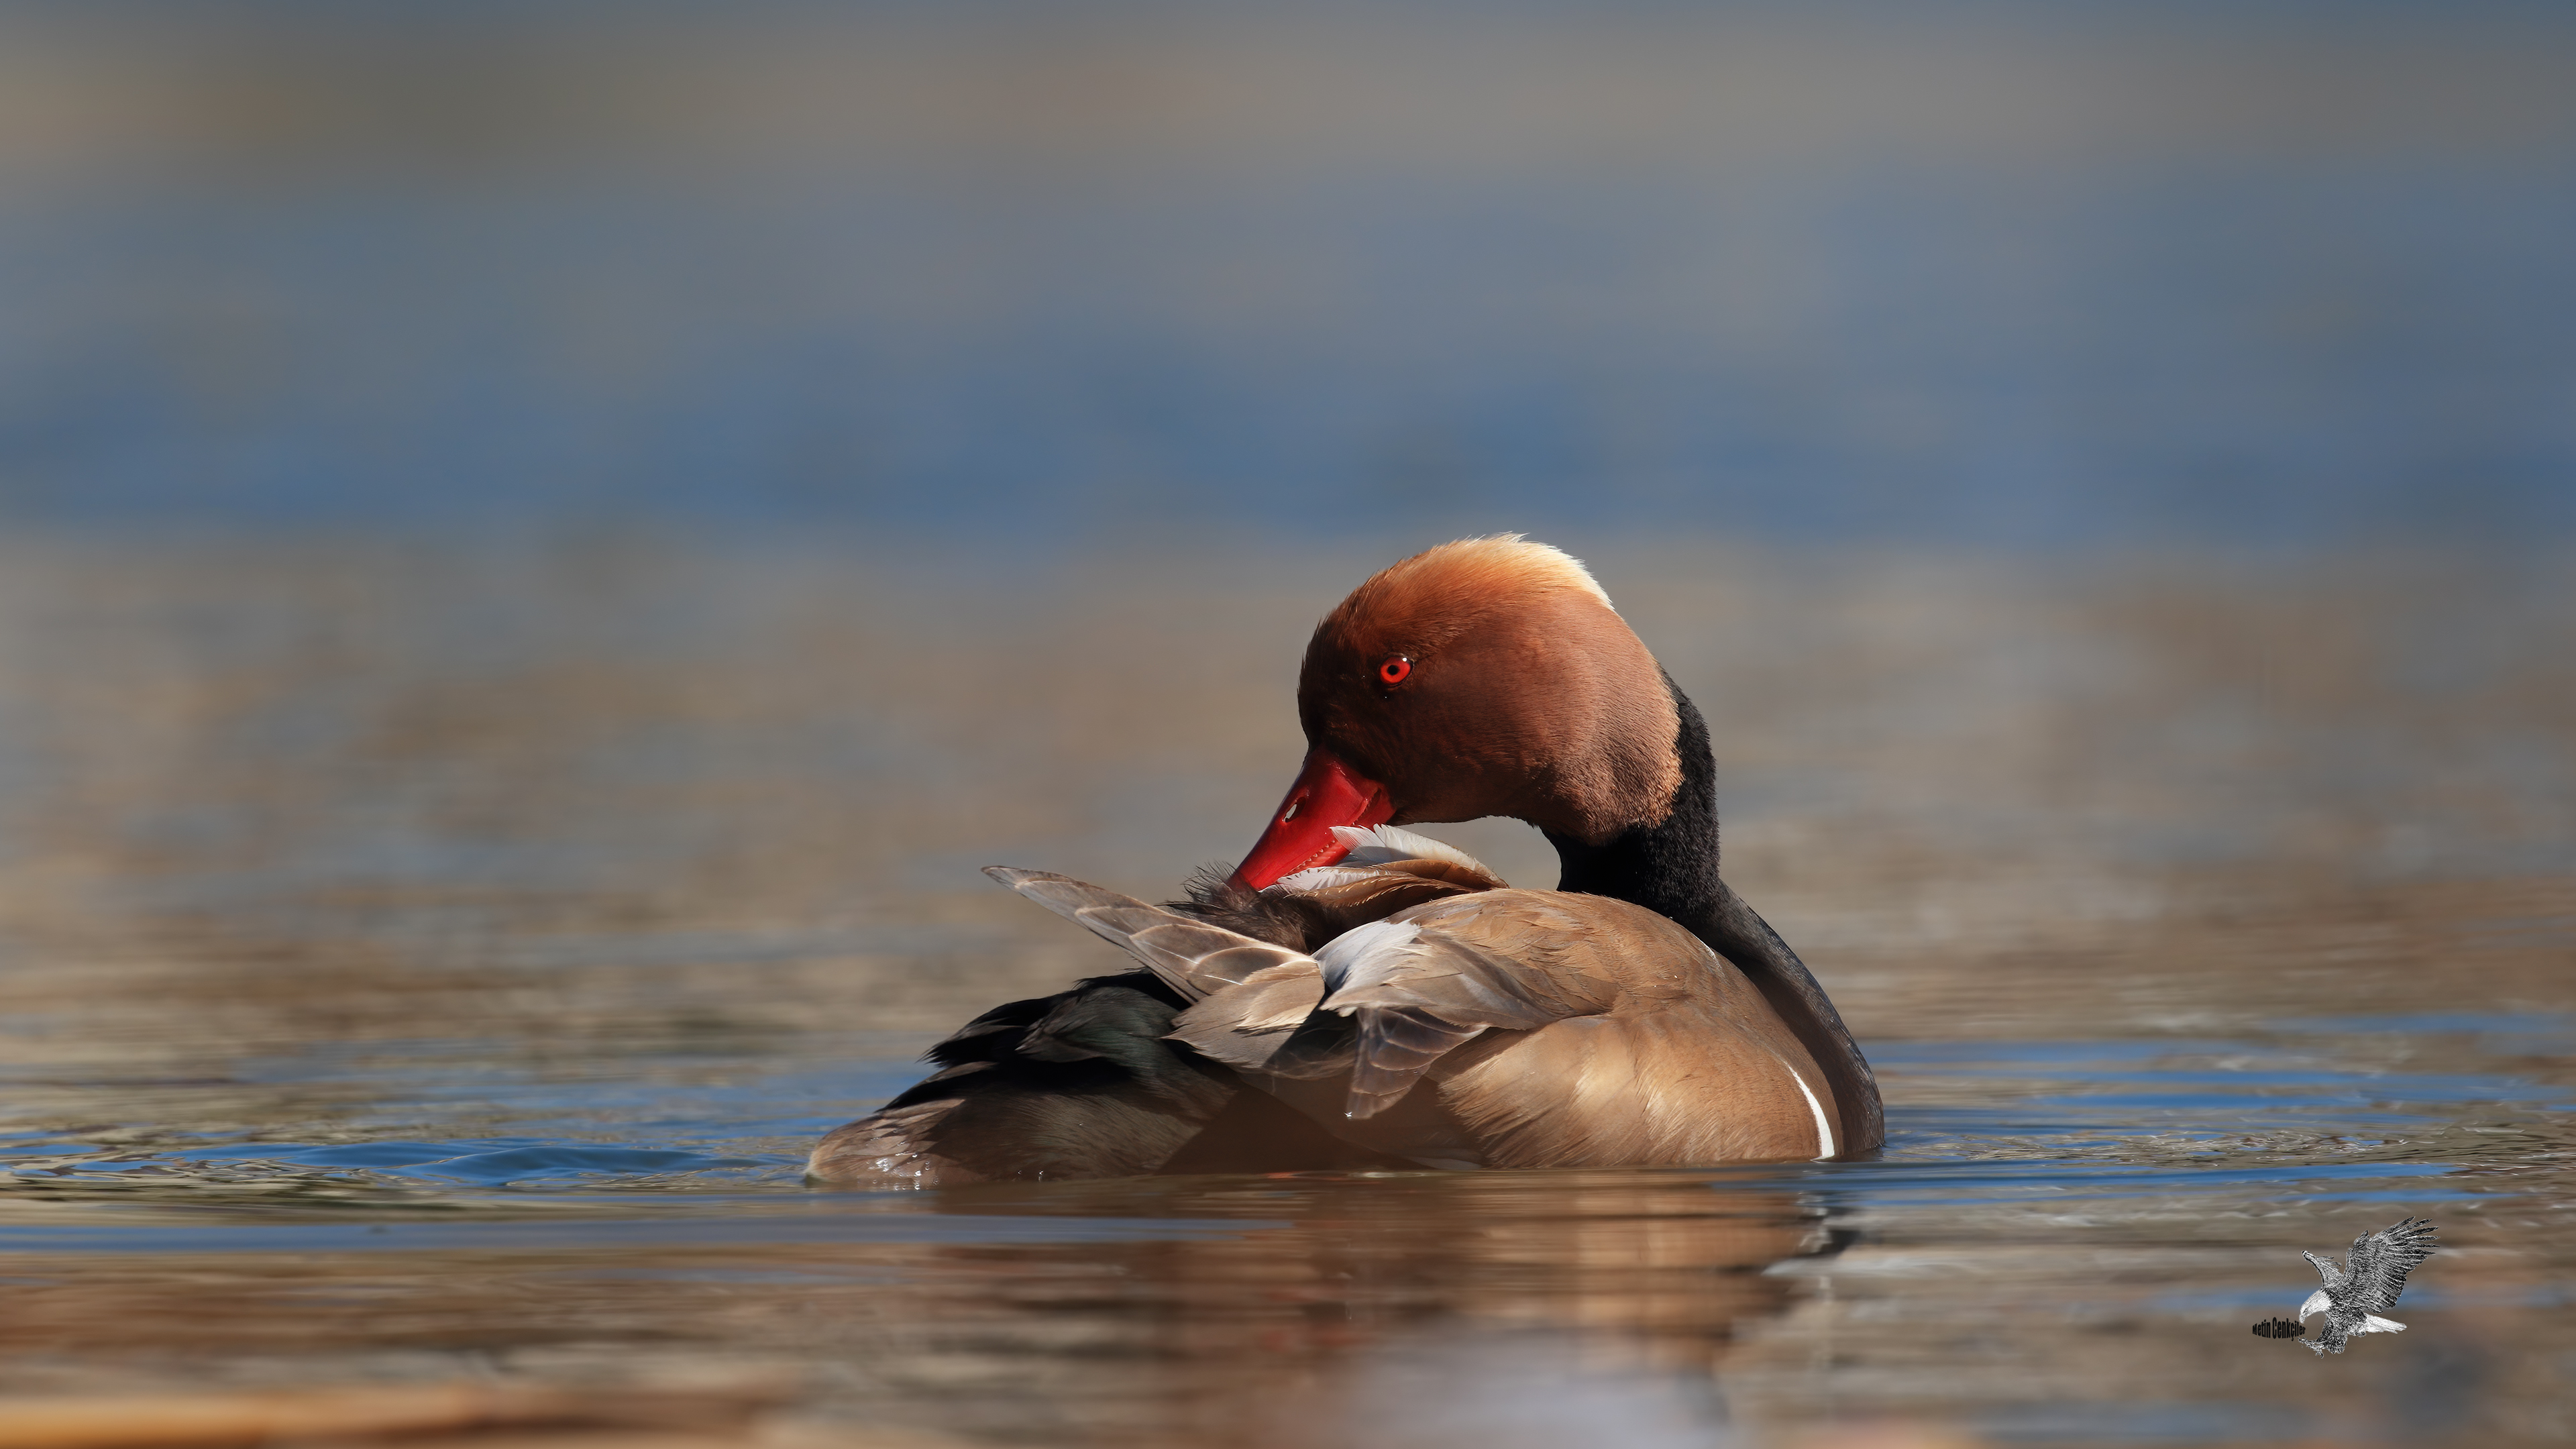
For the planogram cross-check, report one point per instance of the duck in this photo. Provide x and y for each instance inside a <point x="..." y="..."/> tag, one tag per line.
<point x="1356" y="996"/>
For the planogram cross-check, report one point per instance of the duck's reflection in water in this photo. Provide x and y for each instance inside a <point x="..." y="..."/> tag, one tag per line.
<point x="1448" y="1293"/>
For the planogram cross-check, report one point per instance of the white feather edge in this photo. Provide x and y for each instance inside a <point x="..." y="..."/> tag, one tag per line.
<point x="1321" y="877"/>
<point x="1373" y="846"/>
<point x="1361" y="956"/>
<point x="1824" y="1128"/>
<point x="1378" y="844"/>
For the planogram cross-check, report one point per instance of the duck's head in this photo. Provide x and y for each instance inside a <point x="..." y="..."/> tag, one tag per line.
<point x="1485" y="677"/>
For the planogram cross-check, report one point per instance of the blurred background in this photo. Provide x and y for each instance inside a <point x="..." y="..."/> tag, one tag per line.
<point x="541" y="543"/>
<point x="1992" y="274"/>
<point x="2249" y="327"/>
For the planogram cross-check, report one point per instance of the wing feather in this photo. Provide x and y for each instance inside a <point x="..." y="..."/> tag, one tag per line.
<point x="1417" y="992"/>
<point x="1395" y="1048"/>
<point x="1248" y="1025"/>
<point x="1387" y="845"/>
<point x="2378" y="1263"/>
<point x="1192" y="957"/>
<point x="1409" y="993"/>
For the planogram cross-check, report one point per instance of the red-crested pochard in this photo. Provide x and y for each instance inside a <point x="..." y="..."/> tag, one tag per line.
<point x="1354" y="995"/>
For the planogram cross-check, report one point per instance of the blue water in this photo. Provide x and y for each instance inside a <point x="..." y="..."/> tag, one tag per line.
<point x="2062" y="1121"/>
<point x="2243" y="307"/>
<point x="2034" y="1195"/>
<point x="2239" y="356"/>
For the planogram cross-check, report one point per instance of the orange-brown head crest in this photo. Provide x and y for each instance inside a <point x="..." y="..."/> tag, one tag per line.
<point x="1491" y="676"/>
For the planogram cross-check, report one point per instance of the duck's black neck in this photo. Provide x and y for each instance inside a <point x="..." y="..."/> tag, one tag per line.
<point x="1671" y="868"/>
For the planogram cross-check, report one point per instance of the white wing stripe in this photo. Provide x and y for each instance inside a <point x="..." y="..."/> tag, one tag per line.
<point x="1824" y="1129"/>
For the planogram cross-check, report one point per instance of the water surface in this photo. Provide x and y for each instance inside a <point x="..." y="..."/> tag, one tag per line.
<point x="431" y="964"/>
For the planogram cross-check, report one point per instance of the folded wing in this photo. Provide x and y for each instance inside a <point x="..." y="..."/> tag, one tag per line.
<point x="1382" y="1002"/>
<point x="1415" y="991"/>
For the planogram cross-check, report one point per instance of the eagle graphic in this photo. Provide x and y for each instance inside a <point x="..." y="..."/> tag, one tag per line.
<point x="2365" y="1284"/>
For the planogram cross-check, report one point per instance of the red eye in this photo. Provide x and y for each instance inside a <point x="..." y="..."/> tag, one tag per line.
<point x="1394" y="670"/>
